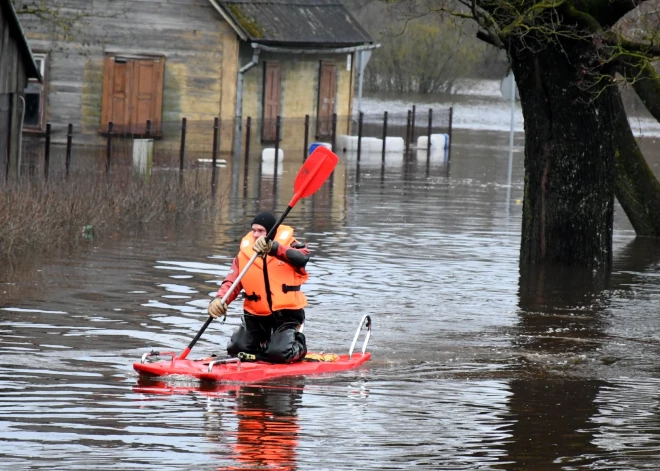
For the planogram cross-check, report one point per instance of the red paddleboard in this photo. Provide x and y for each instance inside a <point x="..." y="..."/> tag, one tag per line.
<point x="237" y="370"/>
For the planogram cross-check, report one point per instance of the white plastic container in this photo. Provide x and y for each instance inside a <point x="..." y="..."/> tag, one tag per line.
<point x="394" y="144"/>
<point x="349" y="144"/>
<point x="438" y="154"/>
<point x="268" y="155"/>
<point x="268" y="168"/>
<point x="439" y="141"/>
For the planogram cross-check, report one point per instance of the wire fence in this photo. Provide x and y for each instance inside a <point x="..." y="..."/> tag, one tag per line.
<point x="62" y="150"/>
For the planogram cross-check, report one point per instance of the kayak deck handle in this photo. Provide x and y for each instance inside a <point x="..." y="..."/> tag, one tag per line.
<point x="224" y="360"/>
<point x="156" y="354"/>
<point x="366" y="321"/>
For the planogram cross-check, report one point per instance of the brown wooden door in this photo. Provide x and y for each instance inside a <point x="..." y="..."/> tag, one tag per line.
<point x="117" y="83"/>
<point x="326" y="106"/>
<point x="146" y="77"/>
<point x="271" y="108"/>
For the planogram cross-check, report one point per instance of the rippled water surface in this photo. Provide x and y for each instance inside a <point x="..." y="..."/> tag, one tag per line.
<point x="474" y="366"/>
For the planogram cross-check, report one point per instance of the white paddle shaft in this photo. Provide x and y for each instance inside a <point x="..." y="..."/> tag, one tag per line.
<point x="239" y="277"/>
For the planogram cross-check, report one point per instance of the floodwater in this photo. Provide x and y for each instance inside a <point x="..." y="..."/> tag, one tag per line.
<point x="474" y="366"/>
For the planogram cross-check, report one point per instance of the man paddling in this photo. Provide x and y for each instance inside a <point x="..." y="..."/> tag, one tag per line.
<point x="274" y="302"/>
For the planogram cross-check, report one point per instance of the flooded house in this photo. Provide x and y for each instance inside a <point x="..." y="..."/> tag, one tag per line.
<point x="143" y="66"/>
<point x="17" y="68"/>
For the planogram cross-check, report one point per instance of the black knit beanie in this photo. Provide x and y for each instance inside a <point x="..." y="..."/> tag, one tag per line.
<point x="266" y="219"/>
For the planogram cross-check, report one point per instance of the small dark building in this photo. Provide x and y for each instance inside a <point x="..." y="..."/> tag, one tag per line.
<point x="17" y="66"/>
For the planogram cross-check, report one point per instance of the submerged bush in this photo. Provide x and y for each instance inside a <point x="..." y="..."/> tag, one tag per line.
<point x="37" y="217"/>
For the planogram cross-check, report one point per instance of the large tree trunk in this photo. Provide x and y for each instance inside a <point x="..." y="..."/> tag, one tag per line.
<point x="569" y="157"/>
<point x="637" y="188"/>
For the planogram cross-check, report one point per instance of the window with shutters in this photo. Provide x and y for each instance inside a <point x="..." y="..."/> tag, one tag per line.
<point x="33" y="118"/>
<point x="133" y="95"/>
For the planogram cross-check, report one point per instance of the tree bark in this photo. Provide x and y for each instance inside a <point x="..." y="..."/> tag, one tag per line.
<point x="569" y="157"/>
<point x="637" y="188"/>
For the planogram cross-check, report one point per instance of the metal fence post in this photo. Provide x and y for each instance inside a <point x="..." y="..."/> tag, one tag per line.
<point x="305" y="151"/>
<point x="216" y="125"/>
<point x="248" y="128"/>
<point x="359" y="143"/>
<point x="333" y="138"/>
<point x="451" y="118"/>
<point x="277" y="143"/>
<point x="412" y="126"/>
<point x="428" y="148"/>
<point x="108" y="149"/>
<point x="182" y="148"/>
<point x="69" y="138"/>
<point x="408" y="134"/>
<point x="384" y="134"/>
<point x="47" y="152"/>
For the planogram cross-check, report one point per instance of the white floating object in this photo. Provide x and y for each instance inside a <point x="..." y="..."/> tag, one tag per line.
<point x="268" y="155"/>
<point x="438" y="154"/>
<point x="439" y="141"/>
<point x="394" y="144"/>
<point x="218" y="162"/>
<point x="268" y="168"/>
<point x="143" y="151"/>
<point x="372" y="144"/>
<point x="347" y="143"/>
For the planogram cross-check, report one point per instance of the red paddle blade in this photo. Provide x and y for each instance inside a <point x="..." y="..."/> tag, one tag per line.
<point x="314" y="172"/>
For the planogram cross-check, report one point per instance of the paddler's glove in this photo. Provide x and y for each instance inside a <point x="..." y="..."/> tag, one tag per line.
<point x="262" y="247"/>
<point x="217" y="308"/>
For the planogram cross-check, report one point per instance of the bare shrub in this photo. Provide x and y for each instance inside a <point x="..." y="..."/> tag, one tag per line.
<point x="36" y="216"/>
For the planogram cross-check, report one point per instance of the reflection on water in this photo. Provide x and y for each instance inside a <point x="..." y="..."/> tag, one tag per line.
<point x="255" y="427"/>
<point x="475" y="365"/>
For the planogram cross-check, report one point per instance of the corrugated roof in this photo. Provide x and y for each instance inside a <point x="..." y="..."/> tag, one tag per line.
<point x="316" y="23"/>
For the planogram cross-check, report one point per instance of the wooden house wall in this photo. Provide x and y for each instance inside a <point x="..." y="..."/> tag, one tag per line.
<point x="200" y="62"/>
<point x="300" y="76"/>
<point x="12" y="81"/>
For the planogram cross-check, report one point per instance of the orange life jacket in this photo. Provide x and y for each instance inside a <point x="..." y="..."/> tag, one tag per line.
<point x="284" y="279"/>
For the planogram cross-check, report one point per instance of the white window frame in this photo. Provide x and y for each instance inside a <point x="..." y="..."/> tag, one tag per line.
<point x="40" y="58"/>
